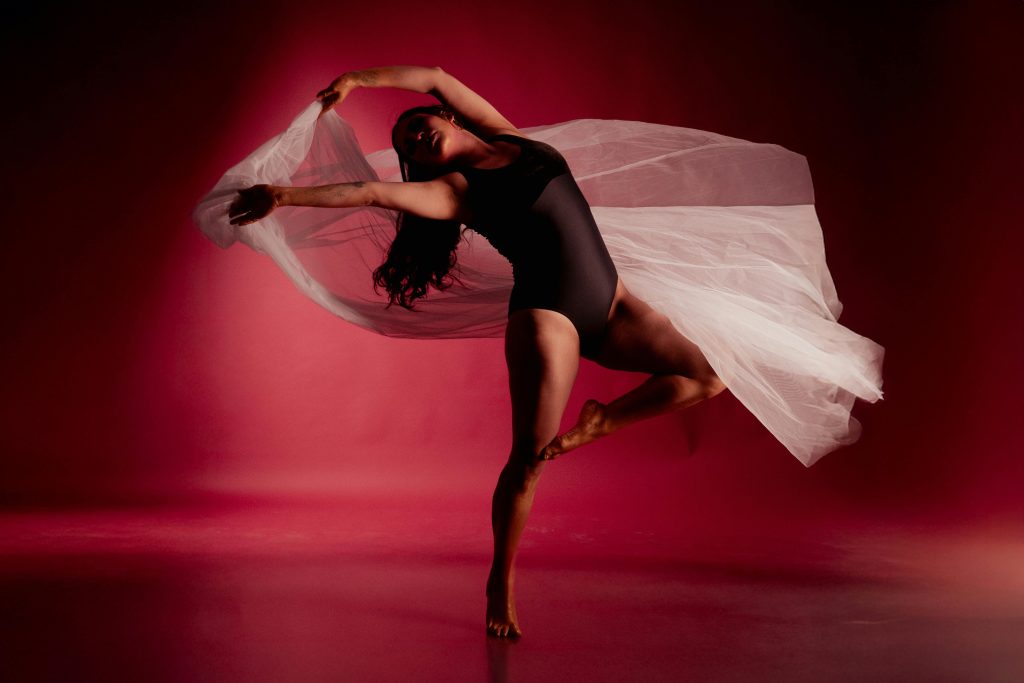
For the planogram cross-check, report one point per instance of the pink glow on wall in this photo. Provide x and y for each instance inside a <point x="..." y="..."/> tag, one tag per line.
<point x="152" y="362"/>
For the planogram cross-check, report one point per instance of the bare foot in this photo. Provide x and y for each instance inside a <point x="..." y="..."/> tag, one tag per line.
<point x="592" y="424"/>
<point x="501" y="615"/>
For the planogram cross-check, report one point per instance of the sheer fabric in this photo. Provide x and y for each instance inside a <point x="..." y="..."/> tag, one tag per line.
<point x="718" y="233"/>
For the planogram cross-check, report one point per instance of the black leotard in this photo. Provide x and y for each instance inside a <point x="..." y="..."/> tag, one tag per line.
<point x="535" y="215"/>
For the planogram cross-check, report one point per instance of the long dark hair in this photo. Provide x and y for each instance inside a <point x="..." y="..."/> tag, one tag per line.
<point x="423" y="251"/>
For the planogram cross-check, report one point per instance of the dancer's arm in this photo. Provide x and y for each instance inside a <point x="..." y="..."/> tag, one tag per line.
<point x="431" y="199"/>
<point x="339" y="195"/>
<point x="480" y="113"/>
<point x="448" y="89"/>
<point x="259" y="201"/>
<point x="422" y="79"/>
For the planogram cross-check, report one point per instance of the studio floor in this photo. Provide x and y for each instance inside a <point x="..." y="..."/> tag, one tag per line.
<point x="366" y="589"/>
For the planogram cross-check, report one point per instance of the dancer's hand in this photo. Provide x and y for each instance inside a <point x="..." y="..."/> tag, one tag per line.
<point x="253" y="203"/>
<point x="333" y="94"/>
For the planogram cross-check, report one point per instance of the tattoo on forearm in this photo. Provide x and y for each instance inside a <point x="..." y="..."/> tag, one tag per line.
<point x="367" y="77"/>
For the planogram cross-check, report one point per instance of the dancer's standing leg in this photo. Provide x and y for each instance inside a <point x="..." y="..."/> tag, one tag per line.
<point x="542" y="354"/>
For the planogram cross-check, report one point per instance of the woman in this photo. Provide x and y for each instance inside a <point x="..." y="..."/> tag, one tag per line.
<point x="542" y="343"/>
<point x="465" y="163"/>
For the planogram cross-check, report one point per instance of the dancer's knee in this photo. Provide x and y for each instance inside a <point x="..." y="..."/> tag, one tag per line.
<point x="523" y="464"/>
<point x="707" y="386"/>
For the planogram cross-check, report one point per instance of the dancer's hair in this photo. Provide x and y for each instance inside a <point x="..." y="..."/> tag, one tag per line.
<point x="423" y="251"/>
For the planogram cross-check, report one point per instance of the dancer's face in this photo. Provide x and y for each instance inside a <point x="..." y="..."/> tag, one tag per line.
<point x="425" y="138"/>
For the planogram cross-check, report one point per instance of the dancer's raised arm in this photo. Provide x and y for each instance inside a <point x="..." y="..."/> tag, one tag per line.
<point x="421" y="79"/>
<point x="448" y="89"/>
<point x="473" y="108"/>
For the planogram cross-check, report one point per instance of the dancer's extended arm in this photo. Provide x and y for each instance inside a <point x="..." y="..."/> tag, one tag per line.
<point x="258" y="201"/>
<point x="430" y="199"/>
<point x="339" y="195"/>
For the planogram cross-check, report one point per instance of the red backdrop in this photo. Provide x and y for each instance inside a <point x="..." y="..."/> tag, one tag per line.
<point x="141" y="362"/>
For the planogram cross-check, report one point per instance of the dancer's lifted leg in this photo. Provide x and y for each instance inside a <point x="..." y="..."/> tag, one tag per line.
<point x="639" y="339"/>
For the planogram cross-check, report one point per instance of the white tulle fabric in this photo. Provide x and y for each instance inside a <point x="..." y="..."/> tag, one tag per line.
<point x="719" y="234"/>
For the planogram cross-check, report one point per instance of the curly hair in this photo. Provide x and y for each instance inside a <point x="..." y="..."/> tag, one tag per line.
<point x="423" y="252"/>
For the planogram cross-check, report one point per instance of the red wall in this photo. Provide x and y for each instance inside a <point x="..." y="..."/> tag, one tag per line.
<point x="141" y="362"/>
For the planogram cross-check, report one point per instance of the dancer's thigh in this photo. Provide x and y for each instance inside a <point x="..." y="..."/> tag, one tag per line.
<point x="640" y="339"/>
<point x="542" y="354"/>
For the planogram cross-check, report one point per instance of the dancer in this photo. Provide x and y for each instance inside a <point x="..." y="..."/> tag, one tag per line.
<point x="464" y="163"/>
